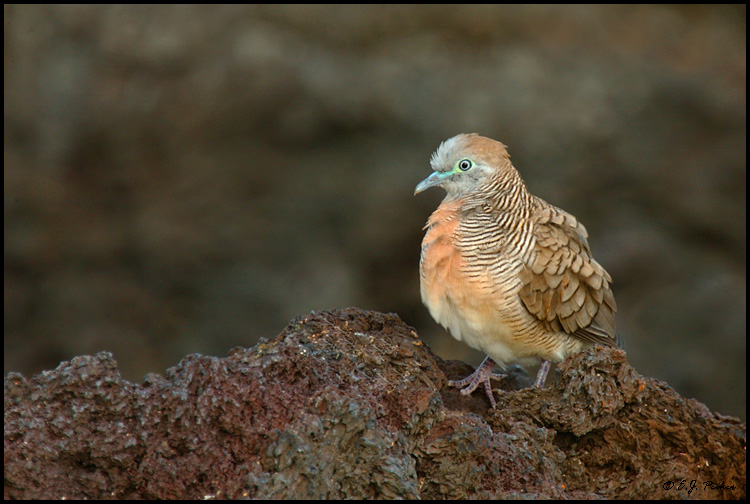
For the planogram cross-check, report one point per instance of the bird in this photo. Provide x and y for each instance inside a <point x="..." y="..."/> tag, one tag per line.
<point x="506" y="272"/>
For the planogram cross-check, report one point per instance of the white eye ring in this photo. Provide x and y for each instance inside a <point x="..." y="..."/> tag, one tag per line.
<point x="465" y="164"/>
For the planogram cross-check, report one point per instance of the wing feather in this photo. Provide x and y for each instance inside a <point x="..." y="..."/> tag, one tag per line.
<point x="562" y="284"/>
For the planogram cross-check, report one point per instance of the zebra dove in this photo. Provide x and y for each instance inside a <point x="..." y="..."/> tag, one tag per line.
<point x="505" y="271"/>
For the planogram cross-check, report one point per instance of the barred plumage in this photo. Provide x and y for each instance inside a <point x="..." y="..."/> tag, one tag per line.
<point x="505" y="271"/>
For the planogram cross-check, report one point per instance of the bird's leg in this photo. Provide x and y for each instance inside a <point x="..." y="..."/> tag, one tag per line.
<point x="541" y="376"/>
<point x="481" y="375"/>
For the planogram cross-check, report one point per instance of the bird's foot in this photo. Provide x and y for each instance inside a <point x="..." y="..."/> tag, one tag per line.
<point x="541" y="376"/>
<point x="481" y="375"/>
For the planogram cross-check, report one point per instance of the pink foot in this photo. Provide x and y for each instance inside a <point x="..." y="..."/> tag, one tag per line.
<point x="482" y="374"/>
<point x="541" y="376"/>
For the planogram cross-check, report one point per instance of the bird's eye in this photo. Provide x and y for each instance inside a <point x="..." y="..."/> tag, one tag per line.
<point x="465" y="164"/>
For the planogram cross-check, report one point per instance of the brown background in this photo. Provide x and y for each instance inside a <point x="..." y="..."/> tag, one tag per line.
<point x="187" y="179"/>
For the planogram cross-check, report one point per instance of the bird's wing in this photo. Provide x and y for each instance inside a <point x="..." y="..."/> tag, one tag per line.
<point x="562" y="284"/>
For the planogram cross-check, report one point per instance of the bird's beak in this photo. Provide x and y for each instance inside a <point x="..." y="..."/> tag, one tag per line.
<point x="434" y="179"/>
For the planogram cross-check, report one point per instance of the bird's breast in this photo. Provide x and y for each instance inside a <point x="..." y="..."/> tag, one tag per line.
<point x="474" y="298"/>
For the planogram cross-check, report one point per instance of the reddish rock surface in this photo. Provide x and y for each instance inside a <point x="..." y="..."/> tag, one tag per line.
<point x="352" y="404"/>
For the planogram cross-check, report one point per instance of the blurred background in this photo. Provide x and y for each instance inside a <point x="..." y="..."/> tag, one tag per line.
<point x="184" y="179"/>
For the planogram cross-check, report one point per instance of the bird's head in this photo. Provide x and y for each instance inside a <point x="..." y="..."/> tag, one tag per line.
<point x="466" y="164"/>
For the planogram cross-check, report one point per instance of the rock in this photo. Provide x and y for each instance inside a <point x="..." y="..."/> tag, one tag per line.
<point x="352" y="404"/>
